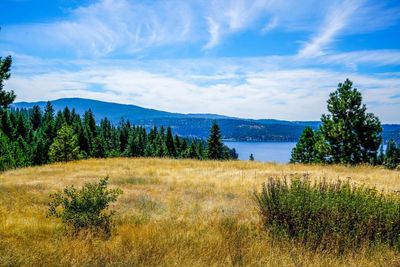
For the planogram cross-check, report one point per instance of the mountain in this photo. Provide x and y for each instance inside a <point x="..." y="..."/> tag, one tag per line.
<point x="195" y="125"/>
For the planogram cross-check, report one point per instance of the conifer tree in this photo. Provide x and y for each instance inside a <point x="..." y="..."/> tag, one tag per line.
<point x="251" y="158"/>
<point x="6" y="98"/>
<point x="67" y="116"/>
<point x="304" y="151"/>
<point x="65" y="146"/>
<point x="353" y="135"/>
<point x="6" y="153"/>
<point x="392" y="155"/>
<point x="90" y="122"/>
<point x="6" y="124"/>
<point x="36" y="117"/>
<point x="169" y="142"/>
<point x="214" y="143"/>
<point x="99" y="147"/>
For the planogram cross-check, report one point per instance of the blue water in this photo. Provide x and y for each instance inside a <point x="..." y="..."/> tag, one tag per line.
<point x="263" y="151"/>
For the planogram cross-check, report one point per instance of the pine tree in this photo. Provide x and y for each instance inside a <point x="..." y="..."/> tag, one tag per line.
<point x="36" y="117"/>
<point x="214" y="143"/>
<point x="392" y="155"/>
<point x="99" y="147"/>
<point x="353" y="135"/>
<point x="7" y="160"/>
<point x="304" y="151"/>
<point x="67" y="116"/>
<point x="6" y="124"/>
<point x="59" y="121"/>
<point x="169" y="142"/>
<point x="22" y="128"/>
<point x="6" y="98"/>
<point x="124" y="130"/>
<point x="90" y="122"/>
<point x="22" y="153"/>
<point x="65" y="146"/>
<point x="39" y="150"/>
<point x="251" y="158"/>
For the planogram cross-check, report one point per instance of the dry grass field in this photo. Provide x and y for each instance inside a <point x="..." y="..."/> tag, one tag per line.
<point x="172" y="213"/>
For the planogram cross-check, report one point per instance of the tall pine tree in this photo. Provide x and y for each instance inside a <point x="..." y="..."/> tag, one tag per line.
<point x="214" y="143"/>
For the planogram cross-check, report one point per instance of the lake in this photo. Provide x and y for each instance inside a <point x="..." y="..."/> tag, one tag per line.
<point x="263" y="151"/>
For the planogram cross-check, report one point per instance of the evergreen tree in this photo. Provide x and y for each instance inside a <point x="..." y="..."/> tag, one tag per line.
<point x="100" y="147"/>
<point x="6" y="98"/>
<point x="6" y="153"/>
<point x="22" y="128"/>
<point x="59" y="121"/>
<point x="65" y="146"/>
<point x="304" y="151"/>
<point x="67" y="116"/>
<point x="124" y="130"/>
<point x="169" y="142"/>
<point x="200" y="150"/>
<point x="192" y="152"/>
<point x="6" y="123"/>
<point x="90" y="122"/>
<point x="353" y="135"/>
<point x="392" y="155"/>
<point x="36" y="117"/>
<point x="39" y="150"/>
<point x="214" y="143"/>
<point x="160" y="147"/>
<point x="251" y="158"/>
<point x="22" y="153"/>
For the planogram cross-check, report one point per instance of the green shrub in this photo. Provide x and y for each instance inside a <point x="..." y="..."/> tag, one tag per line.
<point x="329" y="216"/>
<point x="85" y="209"/>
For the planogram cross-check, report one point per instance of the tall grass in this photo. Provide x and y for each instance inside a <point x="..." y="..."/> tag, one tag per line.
<point x="336" y="216"/>
<point x="172" y="213"/>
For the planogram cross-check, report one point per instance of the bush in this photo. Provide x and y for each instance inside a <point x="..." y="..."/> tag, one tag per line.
<point x="85" y="209"/>
<point x="329" y="216"/>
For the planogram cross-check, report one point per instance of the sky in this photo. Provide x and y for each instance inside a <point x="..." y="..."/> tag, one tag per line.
<point x="256" y="59"/>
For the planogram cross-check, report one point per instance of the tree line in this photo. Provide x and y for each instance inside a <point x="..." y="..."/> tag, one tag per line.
<point x="347" y="135"/>
<point x="35" y="136"/>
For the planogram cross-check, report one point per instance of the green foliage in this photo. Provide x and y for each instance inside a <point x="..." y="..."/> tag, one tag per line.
<point x="65" y="146"/>
<point x="214" y="143"/>
<point x="6" y="98"/>
<point x="85" y="209"/>
<point x="348" y="134"/>
<point x="392" y="156"/>
<point x="6" y="153"/>
<point x="169" y="143"/>
<point x="304" y="152"/>
<point x="36" y="117"/>
<point x="329" y="216"/>
<point x="353" y="135"/>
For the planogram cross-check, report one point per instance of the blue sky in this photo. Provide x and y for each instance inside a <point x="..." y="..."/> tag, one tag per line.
<point x="255" y="59"/>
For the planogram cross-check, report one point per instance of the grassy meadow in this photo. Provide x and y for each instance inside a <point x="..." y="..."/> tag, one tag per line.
<point x="172" y="213"/>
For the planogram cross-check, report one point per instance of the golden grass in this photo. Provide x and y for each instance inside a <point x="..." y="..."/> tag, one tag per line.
<point x="172" y="213"/>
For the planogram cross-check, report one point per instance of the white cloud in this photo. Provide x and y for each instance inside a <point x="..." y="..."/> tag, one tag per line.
<point x="346" y="17"/>
<point x="109" y="26"/>
<point x="336" y="21"/>
<point x="214" y="30"/>
<point x="234" y="87"/>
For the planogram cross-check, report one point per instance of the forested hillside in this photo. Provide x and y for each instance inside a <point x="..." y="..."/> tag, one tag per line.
<point x="196" y="125"/>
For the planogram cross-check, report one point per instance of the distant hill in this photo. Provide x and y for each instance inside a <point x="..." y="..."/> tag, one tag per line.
<point x="195" y="125"/>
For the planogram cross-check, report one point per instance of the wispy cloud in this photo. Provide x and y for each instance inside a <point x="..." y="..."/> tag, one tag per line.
<point x="336" y="21"/>
<point x="270" y="25"/>
<point x="214" y="31"/>
<point x="348" y="17"/>
<point x="109" y="26"/>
